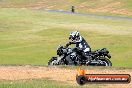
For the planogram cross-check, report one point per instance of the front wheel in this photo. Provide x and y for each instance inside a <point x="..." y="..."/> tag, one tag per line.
<point x="105" y="62"/>
<point x="53" y="61"/>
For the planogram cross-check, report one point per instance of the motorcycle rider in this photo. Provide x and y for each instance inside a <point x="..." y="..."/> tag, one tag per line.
<point x="81" y="44"/>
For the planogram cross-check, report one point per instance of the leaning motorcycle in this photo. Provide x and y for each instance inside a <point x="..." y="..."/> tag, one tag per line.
<point x="74" y="56"/>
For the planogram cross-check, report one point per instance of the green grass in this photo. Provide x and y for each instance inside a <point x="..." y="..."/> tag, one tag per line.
<point x="32" y="36"/>
<point x="42" y="83"/>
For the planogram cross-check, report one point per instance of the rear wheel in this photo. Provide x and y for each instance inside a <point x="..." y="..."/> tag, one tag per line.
<point x="105" y="62"/>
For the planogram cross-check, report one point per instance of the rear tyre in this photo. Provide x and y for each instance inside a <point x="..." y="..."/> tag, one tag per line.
<point x="105" y="62"/>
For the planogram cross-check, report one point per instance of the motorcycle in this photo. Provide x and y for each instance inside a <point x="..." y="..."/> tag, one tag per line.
<point x="74" y="56"/>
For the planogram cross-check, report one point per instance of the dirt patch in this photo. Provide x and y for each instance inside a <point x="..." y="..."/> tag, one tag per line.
<point x="55" y="73"/>
<point x="32" y="72"/>
<point x="114" y="7"/>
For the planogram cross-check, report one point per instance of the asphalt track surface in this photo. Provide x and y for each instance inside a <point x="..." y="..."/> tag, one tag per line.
<point x="91" y="15"/>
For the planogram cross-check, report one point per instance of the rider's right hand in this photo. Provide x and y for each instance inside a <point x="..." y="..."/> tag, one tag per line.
<point x="68" y="44"/>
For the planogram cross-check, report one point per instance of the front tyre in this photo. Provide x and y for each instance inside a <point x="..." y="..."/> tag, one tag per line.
<point x="53" y="61"/>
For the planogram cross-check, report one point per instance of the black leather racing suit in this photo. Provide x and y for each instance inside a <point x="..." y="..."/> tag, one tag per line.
<point x="83" y="46"/>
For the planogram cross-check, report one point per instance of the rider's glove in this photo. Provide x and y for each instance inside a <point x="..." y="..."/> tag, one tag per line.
<point x="68" y="44"/>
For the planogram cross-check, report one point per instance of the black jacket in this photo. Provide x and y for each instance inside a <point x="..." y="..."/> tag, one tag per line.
<point x="82" y="44"/>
